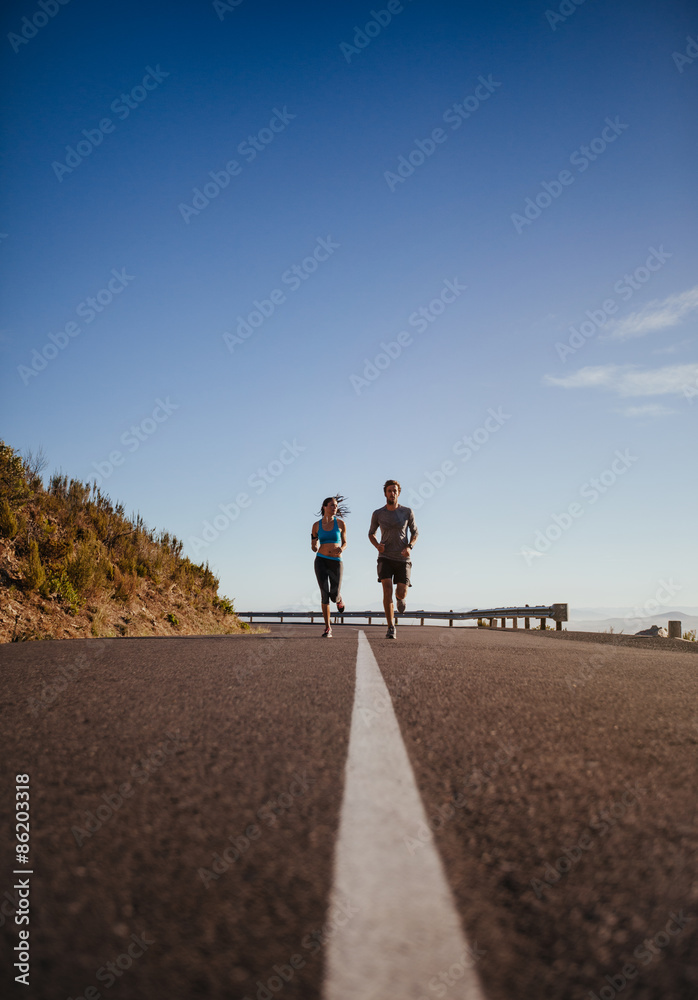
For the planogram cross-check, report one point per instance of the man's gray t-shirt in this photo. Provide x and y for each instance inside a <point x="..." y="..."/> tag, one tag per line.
<point x="393" y="525"/>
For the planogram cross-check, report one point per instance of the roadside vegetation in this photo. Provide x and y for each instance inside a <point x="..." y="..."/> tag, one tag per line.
<point x="72" y="563"/>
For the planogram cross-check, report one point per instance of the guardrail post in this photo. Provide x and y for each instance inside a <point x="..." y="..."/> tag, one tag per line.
<point x="674" y="630"/>
<point x="492" y="622"/>
<point x="558" y="626"/>
<point x="542" y="623"/>
<point x="450" y="620"/>
<point x="504" y="622"/>
<point x="515" y="622"/>
<point x="527" y="622"/>
<point x="421" y="621"/>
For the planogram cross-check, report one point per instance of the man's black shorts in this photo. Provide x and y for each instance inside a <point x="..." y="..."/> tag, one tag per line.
<point x="394" y="569"/>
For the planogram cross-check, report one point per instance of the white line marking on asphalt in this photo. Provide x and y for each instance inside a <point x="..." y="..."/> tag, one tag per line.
<point x="402" y="930"/>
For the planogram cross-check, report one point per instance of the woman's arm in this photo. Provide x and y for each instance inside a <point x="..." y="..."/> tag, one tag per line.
<point x="314" y="543"/>
<point x="343" y="530"/>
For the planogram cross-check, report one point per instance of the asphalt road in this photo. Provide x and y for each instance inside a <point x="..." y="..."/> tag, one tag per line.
<point x="186" y="797"/>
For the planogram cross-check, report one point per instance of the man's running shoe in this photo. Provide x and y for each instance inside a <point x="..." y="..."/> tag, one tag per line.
<point x="340" y="604"/>
<point x="390" y="634"/>
<point x="401" y="606"/>
<point x="327" y="634"/>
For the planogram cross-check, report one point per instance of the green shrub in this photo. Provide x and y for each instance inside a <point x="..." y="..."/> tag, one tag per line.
<point x="127" y="563"/>
<point x="172" y="618"/>
<point x="83" y="568"/>
<point x="224" y="604"/>
<point x="78" y="493"/>
<point x="59" y="584"/>
<point x="100" y="521"/>
<point x="125" y="585"/>
<point x="53" y="545"/>
<point x="209" y="581"/>
<point x="8" y="522"/>
<point x="34" y="573"/>
<point x="13" y="477"/>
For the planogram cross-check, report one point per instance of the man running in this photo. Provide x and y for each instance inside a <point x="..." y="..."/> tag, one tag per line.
<point x="394" y="550"/>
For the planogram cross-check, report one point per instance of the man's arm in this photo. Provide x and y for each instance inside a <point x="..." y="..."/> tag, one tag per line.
<point x="412" y="527"/>
<point x="372" y="533"/>
<point x="414" y="534"/>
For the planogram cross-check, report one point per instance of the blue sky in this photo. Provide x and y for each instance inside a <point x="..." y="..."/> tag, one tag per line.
<point x="258" y="253"/>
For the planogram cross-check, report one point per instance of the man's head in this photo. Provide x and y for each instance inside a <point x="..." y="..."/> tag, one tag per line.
<point x="391" y="490"/>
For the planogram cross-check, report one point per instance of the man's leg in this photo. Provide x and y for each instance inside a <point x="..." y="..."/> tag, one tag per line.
<point x="400" y="593"/>
<point x="388" y="601"/>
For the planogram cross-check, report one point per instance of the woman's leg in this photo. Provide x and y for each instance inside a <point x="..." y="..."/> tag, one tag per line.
<point x="336" y="573"/>
<point x="322" y="576"/>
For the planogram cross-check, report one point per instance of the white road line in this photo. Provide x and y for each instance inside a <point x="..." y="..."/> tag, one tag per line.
<point x="403" y="931"/>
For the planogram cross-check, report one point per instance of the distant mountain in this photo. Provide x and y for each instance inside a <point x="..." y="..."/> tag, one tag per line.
<point x="590" y="614"/>
<point x="629" y="626"/>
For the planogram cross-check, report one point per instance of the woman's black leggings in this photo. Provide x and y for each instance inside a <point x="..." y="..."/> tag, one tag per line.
<point x="329" y="577"/>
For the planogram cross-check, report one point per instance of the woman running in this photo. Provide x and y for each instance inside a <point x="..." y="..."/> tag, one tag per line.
<point x="329" y="539"/>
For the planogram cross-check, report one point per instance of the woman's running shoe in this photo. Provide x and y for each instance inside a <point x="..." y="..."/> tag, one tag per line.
<point x="327" y="634"/>
<point x="340" y="604"/>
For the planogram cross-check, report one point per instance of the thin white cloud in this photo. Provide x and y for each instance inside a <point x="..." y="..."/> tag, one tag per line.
<point x="673" y="348"/>
<point x="586" y="378"/>
<point x="656" y="315"/>
<point x="650" y="410"/>
<point x="629" y="380"/>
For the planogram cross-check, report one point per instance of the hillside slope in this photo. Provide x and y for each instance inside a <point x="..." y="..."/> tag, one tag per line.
<point x="72" y="564"/>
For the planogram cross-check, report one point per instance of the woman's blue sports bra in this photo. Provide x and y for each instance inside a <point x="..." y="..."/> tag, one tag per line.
<point x="333" y="536"/>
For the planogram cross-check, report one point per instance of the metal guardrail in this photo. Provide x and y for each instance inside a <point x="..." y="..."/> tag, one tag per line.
<point x="556" y="612"/>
